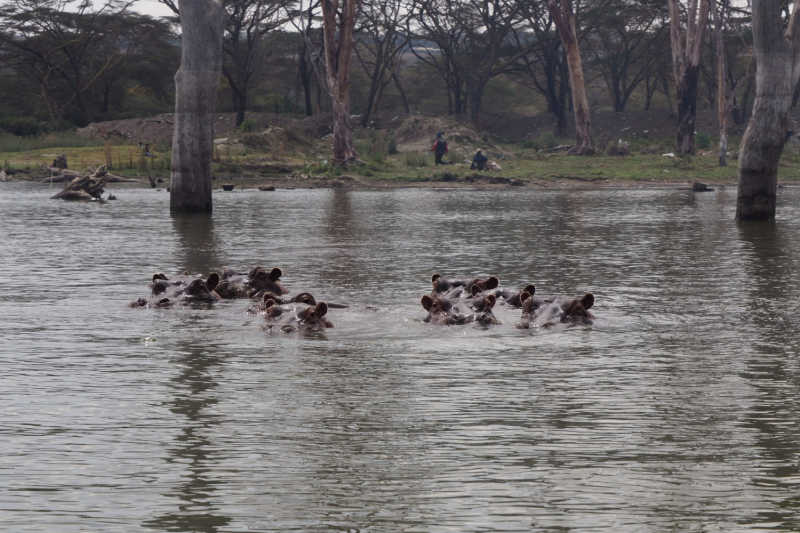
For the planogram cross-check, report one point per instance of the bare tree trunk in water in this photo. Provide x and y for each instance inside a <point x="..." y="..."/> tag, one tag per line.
<point x="687" y="66"/>
<point x="778" y="60"/>
<point x="338" y="21"/>
<point x="563" y="16"/>
<point x="196" y="85"/>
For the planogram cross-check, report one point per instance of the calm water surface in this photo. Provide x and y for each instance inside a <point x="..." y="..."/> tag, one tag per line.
<point x="677" y="411"/>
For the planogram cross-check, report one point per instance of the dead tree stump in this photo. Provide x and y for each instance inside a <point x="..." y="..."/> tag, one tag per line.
<point x="87" y="187"/>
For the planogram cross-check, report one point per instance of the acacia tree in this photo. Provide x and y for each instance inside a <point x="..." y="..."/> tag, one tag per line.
<point x="475" y="38"/>
<point x="545" y="63"/>
<point x="380" y="44"/>
<point x="686" y="65"/>
<point x="778" y="58"/>
<point x="622" y="46"/>
<point x="249" y="21"/>
<point x="338" y="23"/>
<point x="564" y="18"/>
<point x="67" y="53"/>
<point x="196" y="87"/>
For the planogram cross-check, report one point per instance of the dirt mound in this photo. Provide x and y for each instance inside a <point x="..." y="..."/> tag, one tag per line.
<point x="416" y="133"/>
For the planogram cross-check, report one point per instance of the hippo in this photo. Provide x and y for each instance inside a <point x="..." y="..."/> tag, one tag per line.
<point x="251" y="285"/>
<point x="514" y="298"/>
<point x="458" y="287"/>
<point x="454" y="311"/>
<point x="167" y="293"/>
<point x="304" y="298"/>
<point x="295" y="317"/>
<point x="554" y="310"/>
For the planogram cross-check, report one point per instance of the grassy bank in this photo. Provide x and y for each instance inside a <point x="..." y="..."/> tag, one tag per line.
<point x="529" y="161"/>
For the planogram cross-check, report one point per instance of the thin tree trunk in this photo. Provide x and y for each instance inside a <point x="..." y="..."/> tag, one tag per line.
<point x="722" y="101"/>
<point x="196" y="85"/>
<point x="687" y="109"/>
<point x="686" y="65"/>
<point x="338" y="23"/>
<point x="563" y="16"/>
<point x="402" y="92"/>
<point x="762" y="145"/>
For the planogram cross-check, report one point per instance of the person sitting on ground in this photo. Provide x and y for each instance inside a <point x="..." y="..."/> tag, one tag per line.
<point x="439" y="148"/>
<point x="478" y="161"/>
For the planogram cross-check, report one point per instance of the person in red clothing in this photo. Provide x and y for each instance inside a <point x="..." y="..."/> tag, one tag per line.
<point x="439" y="148"/>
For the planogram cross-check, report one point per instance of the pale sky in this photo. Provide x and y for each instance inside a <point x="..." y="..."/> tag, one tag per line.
<point x="152" y="8"/>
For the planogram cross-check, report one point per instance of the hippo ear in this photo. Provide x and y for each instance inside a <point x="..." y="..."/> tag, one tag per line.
<point x="159" y="276"/>
<point x="427" y="302"/>
<point x="491" y="299"/>
<point x="476" y="290"/>
<point x="269" y="303"/>
<point x="322" y="309"/>
<point x="530" y="289"/>
<point x="275" y="274"/>
<point x="524" y="295"/>
<point x="492" y="283"/>
<point x="435" y="277"/>
<point x="212" y="281"/>
<point x="587" y="300"/>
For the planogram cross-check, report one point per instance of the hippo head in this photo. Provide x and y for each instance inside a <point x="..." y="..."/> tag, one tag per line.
<point x="441" y="311"/>
<point x="482" y="305"/>
<point x="483" y="284"/>
<point x="517" y="299"/>
<point x="200" y="290"/>
<point x="289" y="319"/>
<point x="260" y="281"/>
<point x="577" y="312"/>
<point x="441" y="284"/>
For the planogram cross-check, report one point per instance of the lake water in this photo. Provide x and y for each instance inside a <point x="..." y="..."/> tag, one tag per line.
<point x="679" y="410"/>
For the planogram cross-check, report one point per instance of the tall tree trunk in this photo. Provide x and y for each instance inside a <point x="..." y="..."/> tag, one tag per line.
<point x="686" y="65"/>
<point x="564" y="18"/>
<point x="778" y="60"/>
<point x="722" y="108"/>
<point x="305" y="80"/>
<point x="687" y="109"/>
<point x="338" y="21"/>
<point x="196" y="85"/>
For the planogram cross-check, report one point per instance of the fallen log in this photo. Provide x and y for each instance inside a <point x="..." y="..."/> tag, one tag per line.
<point x="70" y="175"/>
<point x="87" y="187"/>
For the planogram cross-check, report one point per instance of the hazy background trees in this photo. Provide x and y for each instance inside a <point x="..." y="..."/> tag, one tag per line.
<point x="70" y="63"/>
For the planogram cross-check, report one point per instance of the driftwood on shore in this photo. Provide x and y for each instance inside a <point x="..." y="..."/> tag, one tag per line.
<point x="86" y="187"/>
<point x="60" y="176"/>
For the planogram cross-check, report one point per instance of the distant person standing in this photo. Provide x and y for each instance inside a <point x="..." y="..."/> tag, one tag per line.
<point x="439" y="148"/>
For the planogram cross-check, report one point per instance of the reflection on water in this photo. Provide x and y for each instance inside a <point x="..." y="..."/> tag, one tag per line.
<point x="197" y="242"/>
<point x="677" y="411"/>
<point x="194" y="394"/>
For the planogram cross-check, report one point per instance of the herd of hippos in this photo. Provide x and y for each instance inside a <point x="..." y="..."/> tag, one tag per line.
<point x="451" y="301"/>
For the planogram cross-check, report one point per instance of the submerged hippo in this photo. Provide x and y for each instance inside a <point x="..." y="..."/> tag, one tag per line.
<point x="554" y="310"/>
<point x="295" y="317"/>
<point x="460" y="287"/>
<point x="304" y="298"/>
<point x="167" y="293"/>
<point x="251" y="285"/>
<point x="454" y="311"/>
